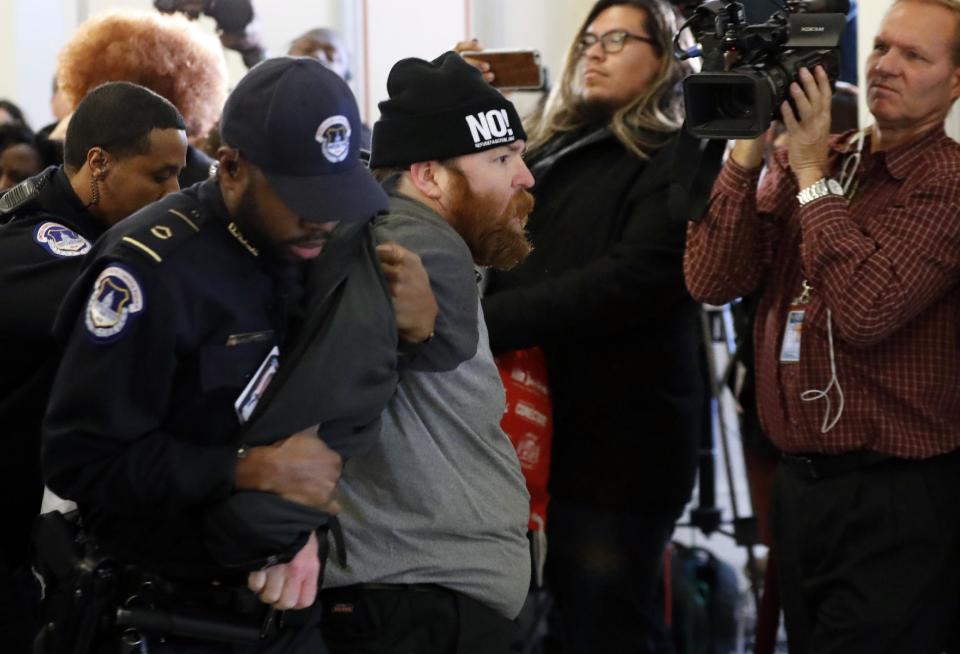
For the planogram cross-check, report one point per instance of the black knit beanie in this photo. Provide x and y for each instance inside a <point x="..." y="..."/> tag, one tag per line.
<point x="440" y="109"/>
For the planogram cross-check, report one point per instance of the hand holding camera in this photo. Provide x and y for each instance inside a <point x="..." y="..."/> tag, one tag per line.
<point x="809" y="125"/>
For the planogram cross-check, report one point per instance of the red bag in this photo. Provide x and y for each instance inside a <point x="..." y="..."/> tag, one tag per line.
<point x="528" y="421"/>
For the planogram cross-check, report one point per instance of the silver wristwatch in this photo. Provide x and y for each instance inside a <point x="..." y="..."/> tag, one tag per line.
<point x="820" y="188"/>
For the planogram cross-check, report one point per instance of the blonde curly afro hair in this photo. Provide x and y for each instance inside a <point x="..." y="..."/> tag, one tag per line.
<point x="166" y="53"/>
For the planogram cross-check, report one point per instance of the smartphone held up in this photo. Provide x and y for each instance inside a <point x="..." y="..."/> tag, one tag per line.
<point x="513" y="70"/>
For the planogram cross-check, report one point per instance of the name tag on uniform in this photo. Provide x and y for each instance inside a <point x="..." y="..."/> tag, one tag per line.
<point x="790" y="351"/>
<point x="251" y="395"/>
<point x="249" y="337"/>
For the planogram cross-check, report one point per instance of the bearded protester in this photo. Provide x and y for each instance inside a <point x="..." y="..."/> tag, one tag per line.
<point x="435" y="515"/>
<point x="167" y="53"/>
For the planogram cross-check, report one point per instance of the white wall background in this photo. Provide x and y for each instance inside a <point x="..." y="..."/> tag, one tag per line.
<point x="378" y="32"/>
<point x="868" y="20"/>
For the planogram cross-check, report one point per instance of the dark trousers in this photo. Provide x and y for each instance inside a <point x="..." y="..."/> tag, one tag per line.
<point x="305" y="640"/>
<point x="869" y="558"/>
<point x="602" y="568"/>
<point x="411" y="619"/>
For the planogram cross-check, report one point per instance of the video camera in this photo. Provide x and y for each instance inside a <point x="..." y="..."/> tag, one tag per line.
<point x="747" y="69"/>
<point x="231" y="16"/>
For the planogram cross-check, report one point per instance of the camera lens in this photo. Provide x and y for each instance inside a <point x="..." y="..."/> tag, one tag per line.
<point x="737" y="102"/>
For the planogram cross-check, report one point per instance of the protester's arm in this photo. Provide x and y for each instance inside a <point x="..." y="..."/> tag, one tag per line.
<point x="291" y="585"/>
<point x="452" y="279"/>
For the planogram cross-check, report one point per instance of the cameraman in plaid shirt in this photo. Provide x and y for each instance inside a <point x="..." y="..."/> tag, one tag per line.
<point x="855" y="243"/>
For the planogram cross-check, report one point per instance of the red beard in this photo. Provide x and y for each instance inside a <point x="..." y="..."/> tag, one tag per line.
<point x="493" y="236"/>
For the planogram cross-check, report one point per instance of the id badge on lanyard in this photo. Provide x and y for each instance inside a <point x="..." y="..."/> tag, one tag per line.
<point x="792" y="332"/>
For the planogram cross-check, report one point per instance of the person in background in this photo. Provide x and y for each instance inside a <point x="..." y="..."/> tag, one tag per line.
<point x="125" y="147"/>
<point x="59" y="105"/>
<point x="327" y="46"/>
<point x="20" y="157"/>
<point x="11" y="114"/>
<point x="166" y="53"/>
<point x="853" y="244"/>
<point x="603" y="295"/>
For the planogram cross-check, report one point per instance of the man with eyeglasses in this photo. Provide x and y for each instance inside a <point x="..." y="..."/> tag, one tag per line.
<point x="855" y="243"/>
<point x="612" y="42"/>
<point x="603" y="295"/>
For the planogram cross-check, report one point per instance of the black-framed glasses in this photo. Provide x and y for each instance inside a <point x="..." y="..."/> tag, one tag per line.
<point x="611" y="42"/>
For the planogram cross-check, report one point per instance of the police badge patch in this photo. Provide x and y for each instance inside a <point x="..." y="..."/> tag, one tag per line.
<point x="115" y="299"/>
<point x="60" y="241"/>
<point x="334" y="135"/>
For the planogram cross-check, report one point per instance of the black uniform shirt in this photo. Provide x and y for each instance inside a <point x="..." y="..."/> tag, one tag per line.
<point x="46" y="232"/>
<point x="173" y="316"/>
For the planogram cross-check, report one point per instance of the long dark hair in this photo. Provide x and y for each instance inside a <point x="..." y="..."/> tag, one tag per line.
<point x="641" y="123"/>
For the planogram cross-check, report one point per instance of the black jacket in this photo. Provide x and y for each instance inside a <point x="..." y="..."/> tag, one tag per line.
<point x="41" y="252"/>
<point x="603" y="294"/>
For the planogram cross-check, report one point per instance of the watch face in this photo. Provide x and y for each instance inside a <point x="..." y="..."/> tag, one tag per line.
<point x="834" y="187"/>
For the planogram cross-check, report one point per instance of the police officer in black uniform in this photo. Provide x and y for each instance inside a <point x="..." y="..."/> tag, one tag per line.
<point x="124" y="148"/>
<point x="182" y="317"/>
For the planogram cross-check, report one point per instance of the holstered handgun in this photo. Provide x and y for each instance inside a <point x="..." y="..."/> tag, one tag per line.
<point x="84" y="605"/>
<point x="79" y="587"/>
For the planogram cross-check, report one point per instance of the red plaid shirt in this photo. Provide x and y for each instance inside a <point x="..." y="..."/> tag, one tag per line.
<point x="887" y="267"/>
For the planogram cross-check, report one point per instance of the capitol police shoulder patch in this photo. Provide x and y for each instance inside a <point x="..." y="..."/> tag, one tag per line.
<point x="116" y="298"/>
<point x="60" y="241"/>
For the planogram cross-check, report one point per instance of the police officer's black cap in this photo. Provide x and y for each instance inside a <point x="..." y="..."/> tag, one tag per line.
<point x="440" y="109"/>
<point x="298" y="122"/>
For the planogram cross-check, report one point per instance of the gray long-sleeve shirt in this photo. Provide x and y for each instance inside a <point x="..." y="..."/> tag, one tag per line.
<point x="440" y="499"/>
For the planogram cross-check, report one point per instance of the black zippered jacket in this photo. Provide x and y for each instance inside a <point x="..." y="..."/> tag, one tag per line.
<point x="603" y="294"/>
